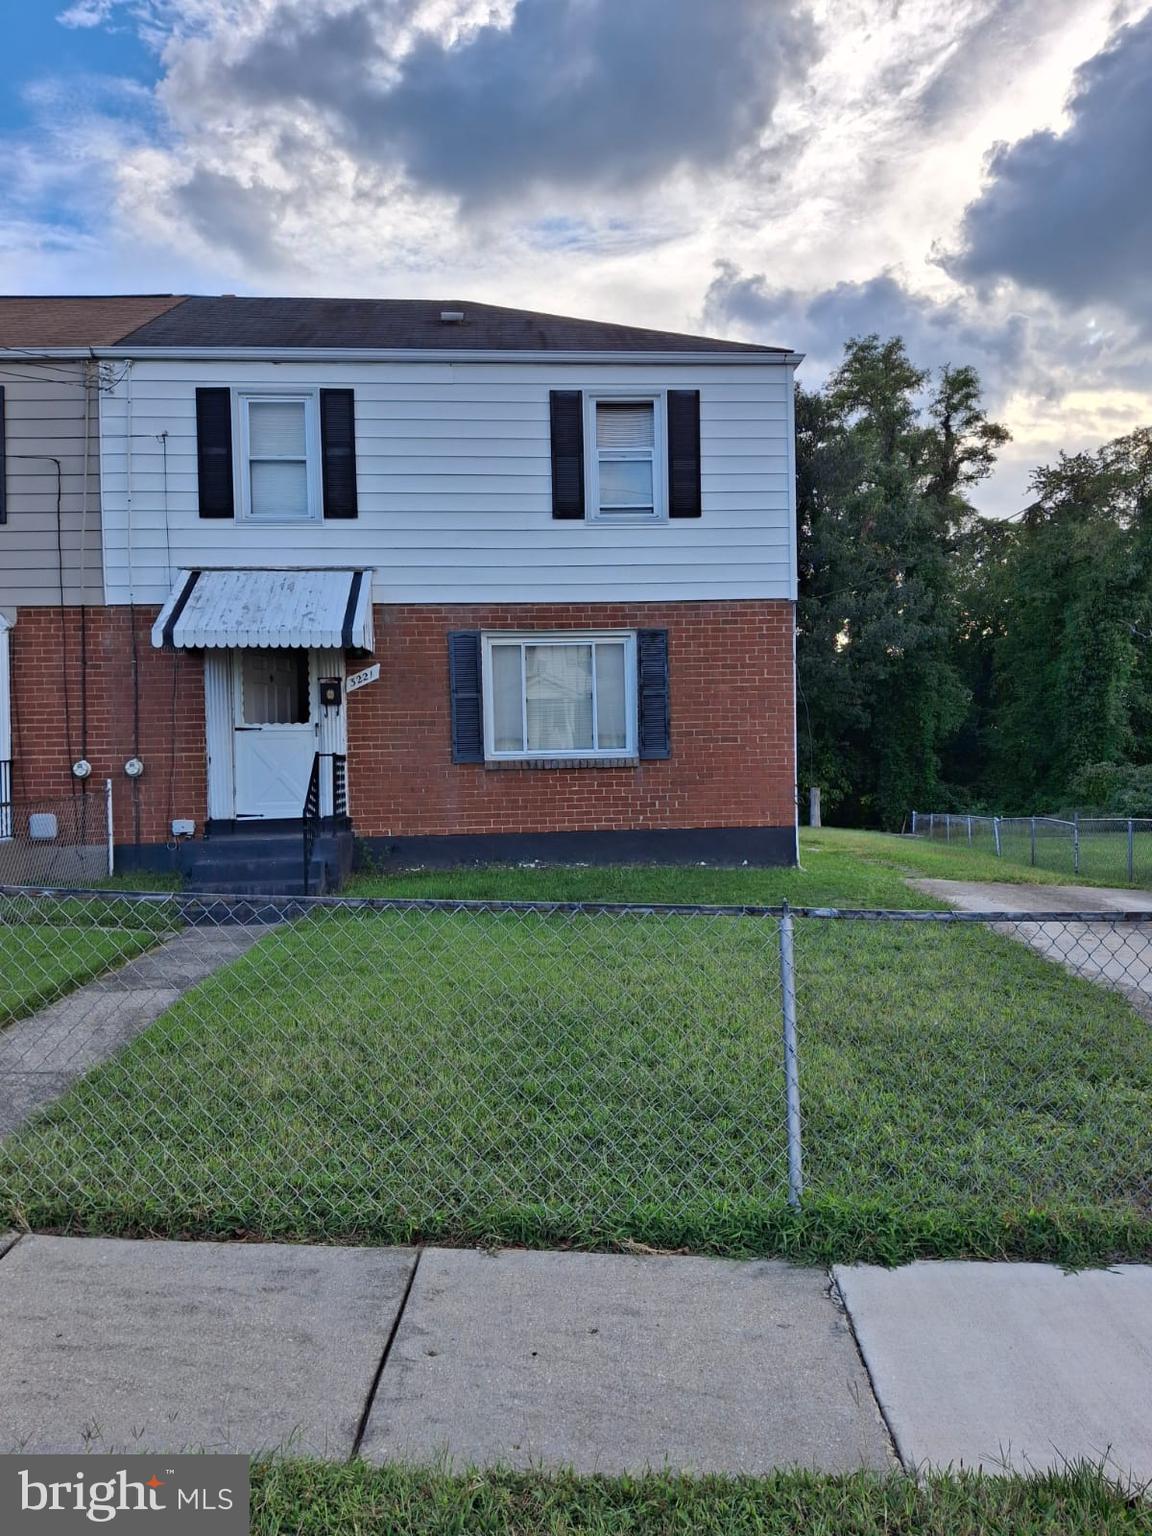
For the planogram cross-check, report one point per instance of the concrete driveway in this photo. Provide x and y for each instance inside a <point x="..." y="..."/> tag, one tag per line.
<point x="1111" y="951"/>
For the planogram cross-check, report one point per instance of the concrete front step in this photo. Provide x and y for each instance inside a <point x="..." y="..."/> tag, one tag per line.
<point x="267" y="865"/>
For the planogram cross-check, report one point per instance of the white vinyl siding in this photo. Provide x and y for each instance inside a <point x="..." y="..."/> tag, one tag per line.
<point x="559" y="696"/>
<point x="455" y="494"/>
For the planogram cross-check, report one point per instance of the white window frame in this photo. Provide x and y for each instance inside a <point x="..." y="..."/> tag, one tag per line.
<point x="310" y="399"/>
<point x="657" y="399"/>
<point x="567" y="637"/>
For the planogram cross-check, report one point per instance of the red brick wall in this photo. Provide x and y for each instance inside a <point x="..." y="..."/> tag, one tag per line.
<point x="730" y="667"/>
<point x="47" y="715"/>
<point x="730" y="672"/>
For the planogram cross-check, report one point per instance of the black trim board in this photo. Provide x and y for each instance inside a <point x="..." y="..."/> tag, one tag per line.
<point x="722" y="846"/>
<point x="350" y="608"/>
<point x="178" y="608"/>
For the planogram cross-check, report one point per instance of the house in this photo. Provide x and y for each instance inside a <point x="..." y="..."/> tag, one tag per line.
<point x="467" y="582"/>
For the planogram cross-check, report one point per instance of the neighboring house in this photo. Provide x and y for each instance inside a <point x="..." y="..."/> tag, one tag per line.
<point x="476" y="583"/>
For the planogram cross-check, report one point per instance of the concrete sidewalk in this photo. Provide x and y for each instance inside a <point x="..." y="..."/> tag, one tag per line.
<point x="602" y="1362"/>
<point x="42" y="1054"/>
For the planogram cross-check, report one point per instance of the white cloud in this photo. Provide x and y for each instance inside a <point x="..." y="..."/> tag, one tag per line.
<point x="727" y="165"/>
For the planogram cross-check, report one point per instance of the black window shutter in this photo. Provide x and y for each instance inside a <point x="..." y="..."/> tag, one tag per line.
<point x="567" y="416"/>
<point x="464" y="672"/>
<point x="214" y="452"/>
<point x="338" y="451"/>
<point x="3" y="461"/>
<point x="652" y="692"/>
<point x="683" y="453"/>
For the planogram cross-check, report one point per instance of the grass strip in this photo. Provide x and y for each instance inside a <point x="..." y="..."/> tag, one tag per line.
<point x="308" y="1498"/>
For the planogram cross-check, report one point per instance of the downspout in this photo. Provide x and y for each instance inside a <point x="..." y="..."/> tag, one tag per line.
<point x="6" y="788"/>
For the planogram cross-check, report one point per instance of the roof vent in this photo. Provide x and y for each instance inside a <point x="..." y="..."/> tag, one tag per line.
<point x="451" y="317"/>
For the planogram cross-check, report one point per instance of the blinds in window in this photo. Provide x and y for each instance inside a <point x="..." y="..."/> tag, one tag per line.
<point x="624" y="427"/>
<point x="276" y="429"/>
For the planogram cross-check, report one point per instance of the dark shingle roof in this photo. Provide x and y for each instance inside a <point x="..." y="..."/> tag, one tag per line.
<point x="36" y="320"/>
<point x="403" y="324"/>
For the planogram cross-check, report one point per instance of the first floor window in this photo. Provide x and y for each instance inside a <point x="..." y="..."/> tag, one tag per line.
<point x="278" y="436"/>
<point x="560" y="695"/>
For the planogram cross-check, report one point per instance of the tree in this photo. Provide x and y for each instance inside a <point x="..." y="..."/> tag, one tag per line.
<point x="1070" y="682"/>
<point x="884" y="458"/>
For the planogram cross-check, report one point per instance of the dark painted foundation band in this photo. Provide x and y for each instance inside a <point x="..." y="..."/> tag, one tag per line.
<point x="728" y="846"/>
<point x="723" y="846"/>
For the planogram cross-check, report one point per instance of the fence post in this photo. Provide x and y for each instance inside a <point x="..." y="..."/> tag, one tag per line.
<point x="1033" y="859"/>
<point x="108" y="826"/>
<point x="913" y="823"/>
<point x="1131" y="851"/>
<point x="996" y="834"/>
<point x="791" y="1067"/>
<point x="1076" y="843"/>
<point x="969" y="821"/>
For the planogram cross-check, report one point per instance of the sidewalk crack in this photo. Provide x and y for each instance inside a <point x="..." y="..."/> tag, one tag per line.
<point x="839" y="1300"/>
<point x="362" y="1427"/>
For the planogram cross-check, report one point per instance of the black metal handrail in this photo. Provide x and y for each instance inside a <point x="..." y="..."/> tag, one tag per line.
<point x="339" y="784"/>
<point x="311" y="818"/>
<point x="5" y="797"/>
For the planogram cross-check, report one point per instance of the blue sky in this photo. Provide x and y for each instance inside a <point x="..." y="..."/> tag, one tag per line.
<point x="972" y="174"/>
<point x="38" y="48"/>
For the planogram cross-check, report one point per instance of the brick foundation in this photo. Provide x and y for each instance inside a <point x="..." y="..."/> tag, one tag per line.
<point x="731" y="764"/>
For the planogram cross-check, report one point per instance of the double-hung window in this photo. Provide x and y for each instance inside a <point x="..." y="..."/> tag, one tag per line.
<point x="626" y="479"/>
<point x="556" y="696"/>
<point x="280" y="451"/>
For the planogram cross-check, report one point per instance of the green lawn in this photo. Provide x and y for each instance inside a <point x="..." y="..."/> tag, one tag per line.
<point x="299" y="1498"/>
<point x="837" y="868"/>
<point x="47" y="948"/>
<point x="383" y="1076"/>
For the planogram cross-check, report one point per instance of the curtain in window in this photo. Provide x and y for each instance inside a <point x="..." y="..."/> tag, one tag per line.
<point x="558" y="697"/>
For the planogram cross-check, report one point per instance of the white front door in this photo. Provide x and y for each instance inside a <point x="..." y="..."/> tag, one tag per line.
<point x="275" y="732"/>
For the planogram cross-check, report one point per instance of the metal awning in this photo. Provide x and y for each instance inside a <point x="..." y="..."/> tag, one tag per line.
<point x="256" y="608"/>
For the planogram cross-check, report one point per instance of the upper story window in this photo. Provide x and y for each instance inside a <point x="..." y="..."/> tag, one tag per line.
<point x="559" y="696"/>
<point x="280" y="454"/>
<point x="625" y="472"/>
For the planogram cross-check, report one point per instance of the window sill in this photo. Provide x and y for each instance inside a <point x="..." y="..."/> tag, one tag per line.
<point x="532" y="763"/>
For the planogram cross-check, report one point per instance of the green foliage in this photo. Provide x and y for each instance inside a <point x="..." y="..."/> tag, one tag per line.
<point x="1065" y="597"/>
<point x="885" y="456"/>
<point x="952" y="661"/>
<point x="1114" y="789"/>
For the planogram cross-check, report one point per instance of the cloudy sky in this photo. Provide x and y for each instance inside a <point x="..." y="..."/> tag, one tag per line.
<point x="973" y="174"/>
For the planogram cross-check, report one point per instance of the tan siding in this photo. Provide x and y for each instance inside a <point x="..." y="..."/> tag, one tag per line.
<point x="44" y="416"/>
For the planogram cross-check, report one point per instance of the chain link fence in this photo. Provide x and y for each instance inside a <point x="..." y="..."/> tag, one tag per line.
<point x="684" y="1077"/>
<point x="55" y="840"/>
<point x="1107" y="848"/>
